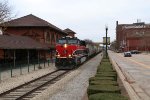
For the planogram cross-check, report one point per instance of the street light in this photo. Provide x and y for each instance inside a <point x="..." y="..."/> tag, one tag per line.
<point x="106" y="39"/>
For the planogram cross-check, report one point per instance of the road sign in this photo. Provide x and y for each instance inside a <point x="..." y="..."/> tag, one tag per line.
<point x="104" y="40"/>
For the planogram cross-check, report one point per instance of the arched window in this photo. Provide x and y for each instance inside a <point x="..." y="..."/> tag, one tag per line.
<point x="57" y="37"/>
<point x="53" y="37"/>
<point x="47" y="37"/>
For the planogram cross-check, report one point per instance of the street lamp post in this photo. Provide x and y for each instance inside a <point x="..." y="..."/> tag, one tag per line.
<point x="106" y="40"/>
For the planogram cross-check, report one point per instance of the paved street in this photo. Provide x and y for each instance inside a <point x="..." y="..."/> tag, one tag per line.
<point x="137" y="67"/>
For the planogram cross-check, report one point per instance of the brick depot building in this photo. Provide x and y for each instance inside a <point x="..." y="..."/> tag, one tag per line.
<point x="35" y="28"/>
<point x="134" y="36"/>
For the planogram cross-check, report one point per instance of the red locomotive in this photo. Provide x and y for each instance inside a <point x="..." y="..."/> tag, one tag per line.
<point x="70" y="52"/>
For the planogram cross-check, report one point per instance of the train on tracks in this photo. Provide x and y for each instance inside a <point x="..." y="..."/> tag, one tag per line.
<point x="71" y="52"/>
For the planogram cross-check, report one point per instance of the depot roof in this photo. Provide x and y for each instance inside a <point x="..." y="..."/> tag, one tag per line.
<point x="20" y="42"/>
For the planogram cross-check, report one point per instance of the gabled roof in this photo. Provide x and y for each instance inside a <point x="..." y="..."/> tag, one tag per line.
<point x="30" y="21"/>
<point x="69" y="31"/>
<point x="19" y="42"/>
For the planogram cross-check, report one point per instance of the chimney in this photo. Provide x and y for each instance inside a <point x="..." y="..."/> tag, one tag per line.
<point x="116" y="23"/>
<point x="138" y="20"/>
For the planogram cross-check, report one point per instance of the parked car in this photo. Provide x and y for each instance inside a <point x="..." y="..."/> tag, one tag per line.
<point x="117" y="51"/>
<point x="127" y="54"/>
<point x="135" y="52"/>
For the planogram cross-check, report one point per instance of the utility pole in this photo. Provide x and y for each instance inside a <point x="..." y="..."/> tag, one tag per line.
<point x="106" y="41"/>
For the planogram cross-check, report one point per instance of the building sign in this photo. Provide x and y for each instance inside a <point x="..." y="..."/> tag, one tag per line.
<point x="104" y="40"/>
<point x="134" y="26"/>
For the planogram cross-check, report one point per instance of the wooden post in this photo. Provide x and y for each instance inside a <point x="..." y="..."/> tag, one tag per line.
<point x="4" y="55"/>
<point x="0" y="71"/>
<point x="39" y="58"/>
<point x="44" y="58"/>
<point x="14" y="62"/>
<point x="28" y="59"/>
<point x="34" y="64"/>
<point x="20" y="69"/>
<point x="48" y="56"/>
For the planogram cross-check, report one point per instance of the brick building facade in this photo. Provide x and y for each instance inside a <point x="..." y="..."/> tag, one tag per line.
<point x="36" y="28"/>
<point x="134" y="36"/>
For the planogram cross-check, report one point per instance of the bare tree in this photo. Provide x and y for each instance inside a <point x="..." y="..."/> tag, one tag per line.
<point x="113" y="45"/>
<point x="88" y="41"/>
<point x="5" y="11"/>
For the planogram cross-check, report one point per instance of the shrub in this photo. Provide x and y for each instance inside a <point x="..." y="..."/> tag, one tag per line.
<point x="112" y="72"/>
<point x="101" y="78"/>
<point x="105" y="60"/>
<point x="107" y="96"/>
<point x="105" y="66"/>
<point x="106" y="74"/>
<point x="93" y="89"/>
<point x="105" y="69"/>
<point x="105" y="63"/>
<point x="103" y="82"/>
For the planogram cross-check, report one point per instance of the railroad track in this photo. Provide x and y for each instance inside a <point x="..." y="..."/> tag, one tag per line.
<point x="31" y="89"/>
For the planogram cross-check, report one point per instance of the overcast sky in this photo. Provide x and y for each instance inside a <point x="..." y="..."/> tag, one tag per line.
<point x="87" y="18"/>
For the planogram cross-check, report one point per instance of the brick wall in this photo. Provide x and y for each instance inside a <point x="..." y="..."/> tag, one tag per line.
<point x="132" y="37"/>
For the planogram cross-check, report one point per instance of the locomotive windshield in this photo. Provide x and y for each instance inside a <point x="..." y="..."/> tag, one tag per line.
<point x="62" y="41"/>
<point x="71" y="41"/>
<point x="68" y="41"/>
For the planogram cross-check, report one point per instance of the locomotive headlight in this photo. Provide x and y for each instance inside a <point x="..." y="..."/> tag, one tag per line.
<point x="69" y="55"/>
<point x="65" y="45"/>
<point x="57" y="54"/>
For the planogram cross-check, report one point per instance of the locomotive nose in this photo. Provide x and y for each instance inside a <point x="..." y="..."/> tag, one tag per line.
<point x="65" y="51"/>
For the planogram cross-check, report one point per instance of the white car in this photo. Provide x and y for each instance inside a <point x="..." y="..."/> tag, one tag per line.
<point x="127" y="54"/>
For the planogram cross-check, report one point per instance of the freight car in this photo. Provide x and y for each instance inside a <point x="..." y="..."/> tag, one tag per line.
<point x="71" y="52"/>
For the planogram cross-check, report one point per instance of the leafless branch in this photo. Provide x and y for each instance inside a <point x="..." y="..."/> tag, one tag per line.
<point x="5" y="11"/>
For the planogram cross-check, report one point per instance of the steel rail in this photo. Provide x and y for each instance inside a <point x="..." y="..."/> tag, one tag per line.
<point x="48" y="78"/>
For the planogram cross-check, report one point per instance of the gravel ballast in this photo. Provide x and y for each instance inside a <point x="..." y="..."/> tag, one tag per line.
<point x="76" y="88"/>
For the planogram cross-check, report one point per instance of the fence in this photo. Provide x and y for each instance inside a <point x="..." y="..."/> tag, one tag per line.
<point x="10" y="69"/>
